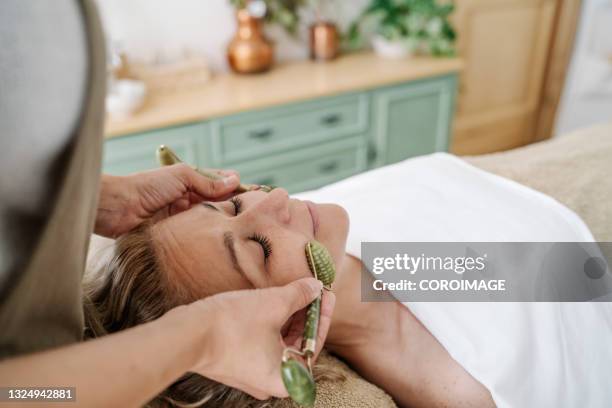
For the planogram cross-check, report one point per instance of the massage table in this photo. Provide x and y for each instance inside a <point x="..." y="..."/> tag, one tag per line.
<point x="575" y="169"/>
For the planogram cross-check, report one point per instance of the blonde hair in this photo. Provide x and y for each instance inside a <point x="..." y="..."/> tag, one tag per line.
<point x="132" y="288"/>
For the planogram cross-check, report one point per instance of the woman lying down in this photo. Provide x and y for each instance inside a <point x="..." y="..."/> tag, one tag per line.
<point x="422" y="354"/>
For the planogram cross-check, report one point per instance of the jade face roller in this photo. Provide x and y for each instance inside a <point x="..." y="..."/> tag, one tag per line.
<point x="298" y="380"/>
<point x="167" y="157"/>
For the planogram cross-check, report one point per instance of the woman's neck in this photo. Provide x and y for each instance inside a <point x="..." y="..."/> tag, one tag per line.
<point x="387" y="345"/>
<point x="355" y="322"/>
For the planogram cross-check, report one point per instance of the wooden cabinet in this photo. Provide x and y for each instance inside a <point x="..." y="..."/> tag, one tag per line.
<point x="505" y="45"/>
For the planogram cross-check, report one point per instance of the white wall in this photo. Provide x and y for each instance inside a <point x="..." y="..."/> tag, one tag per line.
<point x="164" y="29"/>
<point x="587" y="97"/>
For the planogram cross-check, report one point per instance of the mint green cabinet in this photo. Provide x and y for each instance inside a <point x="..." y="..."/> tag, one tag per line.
<point x="309" y="167"/>
<point x="306" y="144"/>
<point x="412" y="119"/>
<point x="264" y="132"/>
<point x="133" y="153"/>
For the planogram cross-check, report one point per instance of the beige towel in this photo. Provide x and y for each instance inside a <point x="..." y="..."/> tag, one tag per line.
<point x="575" y="169"/>
<point x="353" y="392"/>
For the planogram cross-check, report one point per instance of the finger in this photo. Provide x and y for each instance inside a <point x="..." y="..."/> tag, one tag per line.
<point x="327" y="308"/>
<point x="180" y="205"/>
<point x="195" y="198"/>
<point x="204" y="186"/>
<point x="226" y="197"/>
<point x="296" y="295"/>
<point x="294" y="328"/>
<point x="249" y="389"/>
<point x="259" y="395"/>
<point x="226" y="172"/>
<point x="277" y="388"/>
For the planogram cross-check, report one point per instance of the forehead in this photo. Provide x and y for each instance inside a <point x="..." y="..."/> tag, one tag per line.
<point x="194" y="254"/>
<point x="197" y="225"/>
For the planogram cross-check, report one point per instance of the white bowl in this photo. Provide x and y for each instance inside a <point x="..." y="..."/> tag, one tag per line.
<point x="391" y="49"/>
<point x="125" y="98"/>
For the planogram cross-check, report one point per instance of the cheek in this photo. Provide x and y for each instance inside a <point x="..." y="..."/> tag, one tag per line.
<point x="294" y="269"/>
<point x="290" y="263"/>
<point x="212" y="274"/>
<point x="334" y="230"/>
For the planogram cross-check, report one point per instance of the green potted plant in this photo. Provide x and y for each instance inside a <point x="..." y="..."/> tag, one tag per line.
<point x="285" y="13"/>
<point x="404" y="27"/>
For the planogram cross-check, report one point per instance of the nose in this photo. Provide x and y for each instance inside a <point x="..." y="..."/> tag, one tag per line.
<point x="274" y="204"/>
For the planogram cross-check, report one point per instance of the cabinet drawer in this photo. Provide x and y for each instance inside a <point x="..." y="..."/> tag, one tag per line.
<point x="133" y="153"/>
<point x="251" y="135"/>
<point x="308" y="168"/>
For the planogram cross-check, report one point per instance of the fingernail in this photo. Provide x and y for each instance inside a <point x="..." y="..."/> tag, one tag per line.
<point x="315" y="285"/>
<point x="230" y="181"/>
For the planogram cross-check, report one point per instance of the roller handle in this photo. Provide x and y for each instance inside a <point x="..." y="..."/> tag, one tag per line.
<point x="167" y="157"/>
<point x="311" y="328"/>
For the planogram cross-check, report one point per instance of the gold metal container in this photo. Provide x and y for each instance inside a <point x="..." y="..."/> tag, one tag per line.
<point x="249" y="51"/>
<point x="324" y="41"/>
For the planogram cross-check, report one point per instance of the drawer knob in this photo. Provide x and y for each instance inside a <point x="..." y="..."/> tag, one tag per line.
<point x="331" y="119"/>
<point x="328" y="167"/>
<point x="372" y="153"/>
<point x="262" y="134"/>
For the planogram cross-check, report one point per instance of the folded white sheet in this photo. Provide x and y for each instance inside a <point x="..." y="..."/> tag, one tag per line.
<point x="526" y="354"/>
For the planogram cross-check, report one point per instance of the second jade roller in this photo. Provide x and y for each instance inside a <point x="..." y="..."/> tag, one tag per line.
<point x="298" y="379"/>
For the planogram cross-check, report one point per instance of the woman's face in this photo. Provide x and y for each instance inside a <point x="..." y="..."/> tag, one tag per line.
<point x="255" y="240"/>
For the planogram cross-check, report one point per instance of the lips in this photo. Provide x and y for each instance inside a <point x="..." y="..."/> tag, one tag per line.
<point x="314" y="215"/>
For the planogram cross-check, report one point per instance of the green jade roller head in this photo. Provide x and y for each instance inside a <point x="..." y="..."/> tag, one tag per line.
<point x="320" y="263"/>
<point x="167" y="157"/>
<point x="298" y="380"/>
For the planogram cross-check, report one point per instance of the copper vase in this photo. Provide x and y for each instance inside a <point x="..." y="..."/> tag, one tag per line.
<point x="249" y="51"/>
<point x="324" y="41"/>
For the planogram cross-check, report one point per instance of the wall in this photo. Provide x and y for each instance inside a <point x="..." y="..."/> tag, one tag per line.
<point x="587" y="97"/>
<point x="150" y="30"/>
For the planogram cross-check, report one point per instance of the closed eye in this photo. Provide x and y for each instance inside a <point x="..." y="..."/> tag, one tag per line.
<point x="265" y="244"/>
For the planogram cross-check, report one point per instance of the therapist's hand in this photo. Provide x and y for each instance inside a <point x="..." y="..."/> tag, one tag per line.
<point x="127" y="201"/>
<point x="246" y="332"/>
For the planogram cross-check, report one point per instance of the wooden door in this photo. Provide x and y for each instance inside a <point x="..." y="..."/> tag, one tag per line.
<point x="505" y="45"/>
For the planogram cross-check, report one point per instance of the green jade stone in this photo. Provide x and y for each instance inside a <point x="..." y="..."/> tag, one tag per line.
<point x="299" y="383"/>
<point x="320" y="262"/>
<point x="311" y="326"/>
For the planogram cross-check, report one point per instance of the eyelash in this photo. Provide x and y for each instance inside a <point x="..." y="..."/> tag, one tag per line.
<point x="265" y="244"/>
<point x="262" y="240"/>
<point x="237" y="205"/>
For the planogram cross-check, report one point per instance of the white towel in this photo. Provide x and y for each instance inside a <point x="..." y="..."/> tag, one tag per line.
<point x="526" y="354"/>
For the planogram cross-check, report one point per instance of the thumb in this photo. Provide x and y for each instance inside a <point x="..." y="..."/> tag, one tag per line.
<point x="297" y="295"/>
<point x="209" y="187"/>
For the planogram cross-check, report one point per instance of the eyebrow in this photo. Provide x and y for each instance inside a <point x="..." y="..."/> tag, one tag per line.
<point x="228" y="241"/>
